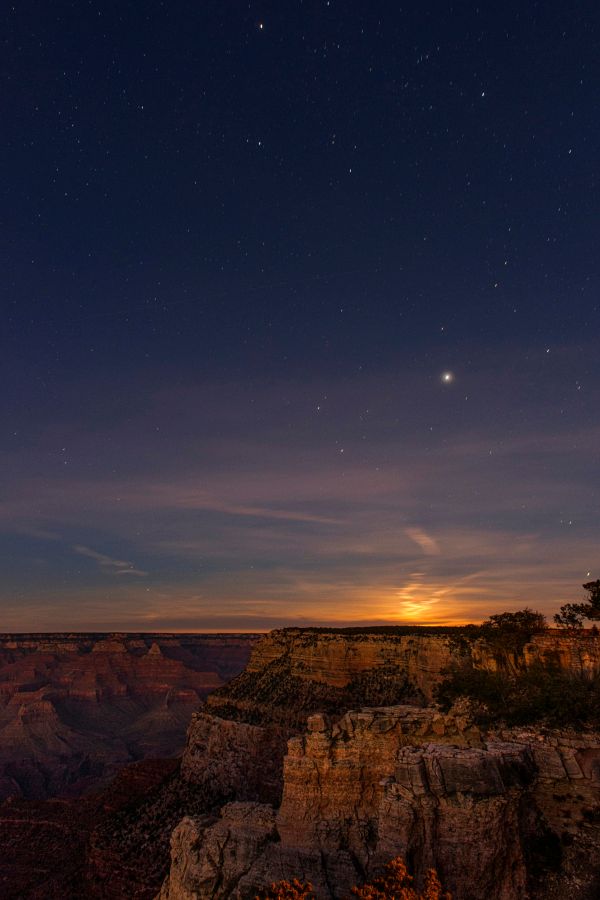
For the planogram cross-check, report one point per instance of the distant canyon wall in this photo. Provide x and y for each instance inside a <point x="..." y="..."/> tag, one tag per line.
<point x="336" y="659"/>
<point x="74" y="708"/>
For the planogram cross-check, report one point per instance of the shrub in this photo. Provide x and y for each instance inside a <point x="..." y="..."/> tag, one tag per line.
<point x="571" y="615"/>
<point x="510" y="631"/>
<point x="505" y="633"/>
<point x="539" y="693"/>
<point x="287" y="890"/>
<point x="394" y="884"/>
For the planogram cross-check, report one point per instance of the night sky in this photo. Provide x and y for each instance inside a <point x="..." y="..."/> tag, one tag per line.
<point x="300" y="312"/>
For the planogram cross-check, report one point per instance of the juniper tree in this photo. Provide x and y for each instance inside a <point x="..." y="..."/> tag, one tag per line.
<point x="571" y="615"/>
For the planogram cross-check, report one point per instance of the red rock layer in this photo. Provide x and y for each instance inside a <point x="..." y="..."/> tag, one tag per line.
<point x="73" y="709"/>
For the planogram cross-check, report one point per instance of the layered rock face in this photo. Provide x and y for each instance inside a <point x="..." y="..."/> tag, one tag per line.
<point x="293" y="673"/>
<point x="235" y="759"/>
<point x="364" y="786"/>
<point x="238" y="742"/>
<point x="310" y="669"/>
<point x="575" y="653"/>
<point x="73" y="708"/>
<point x="338" y="659"/>
<point x="388" y="781"/>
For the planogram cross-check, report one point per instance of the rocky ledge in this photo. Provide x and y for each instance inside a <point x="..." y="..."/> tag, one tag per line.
<point x="292" y="672"/>
<point x="489" y="811"/>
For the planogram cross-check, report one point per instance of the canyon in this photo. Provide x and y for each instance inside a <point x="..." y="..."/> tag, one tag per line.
<point x="92" y="728"/>
<point x="485" y="810"/>
<point x="361" y="767"/>
<point x="76" y="708"/>
<point x="319" y="754"/>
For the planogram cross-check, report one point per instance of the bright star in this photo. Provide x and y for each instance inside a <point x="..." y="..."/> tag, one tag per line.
<point x="447" y="377"/>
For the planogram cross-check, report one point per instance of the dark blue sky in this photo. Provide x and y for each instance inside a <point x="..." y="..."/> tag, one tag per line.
<point x="242" y="243"/>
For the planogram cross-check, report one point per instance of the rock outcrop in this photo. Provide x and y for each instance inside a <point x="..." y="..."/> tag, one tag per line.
<point x="363" y="786"/>
<point x="212" y="857"/>
<point x="339" y="659"/>
<point x="485" y="810"/>
<point x="293" y="672"/>
<point x="234" y="759"/>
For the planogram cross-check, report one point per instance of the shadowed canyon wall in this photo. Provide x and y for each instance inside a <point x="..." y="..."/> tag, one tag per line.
<point x="486" y="810"/>
<point x="73" y="708"/>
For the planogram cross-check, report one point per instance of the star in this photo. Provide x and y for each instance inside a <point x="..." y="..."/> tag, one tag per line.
<point x="447" y="377"/>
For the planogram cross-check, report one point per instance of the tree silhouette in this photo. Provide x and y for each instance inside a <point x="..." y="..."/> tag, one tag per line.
<point x="510" y="631"/>
<point x="571" y="615"/>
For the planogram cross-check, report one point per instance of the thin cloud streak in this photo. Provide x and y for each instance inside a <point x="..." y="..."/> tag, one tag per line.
<point x="107" y="563"/>
<point x="493" y="509"/>
<point x="427" y="544"/>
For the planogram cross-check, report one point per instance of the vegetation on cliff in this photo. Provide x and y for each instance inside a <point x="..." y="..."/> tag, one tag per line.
<point x="274" y="695"/>
<point x="394" y="884"/>
<point x="354" y="632"/>
<point x="503" y="633"/>
<point x="288" y="890"/>
<point x="571" y="615"/>
<point x="397" y="884"/>
<point x="538" y="693"/>
<point x="515" y="693"/>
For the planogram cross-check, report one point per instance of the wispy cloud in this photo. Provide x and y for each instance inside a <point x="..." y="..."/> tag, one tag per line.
<point x="443" y="505"/>
<point x="198" y="500"/>
<point x="108" y="564"/>
<point x="427" y="544"/>
<point x="41" y="534"/>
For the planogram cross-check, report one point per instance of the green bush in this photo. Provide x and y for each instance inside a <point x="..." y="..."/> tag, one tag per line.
<point x="538" y="694"/>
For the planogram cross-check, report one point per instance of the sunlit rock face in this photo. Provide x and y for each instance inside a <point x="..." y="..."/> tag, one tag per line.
<point x="306" y="670"/>
<point x="575" y="653"/>
<point x="74" y="708"/>
<point x="336" y="659"/>
<point x="485" y="810"/>
<point x="357" y="787"/>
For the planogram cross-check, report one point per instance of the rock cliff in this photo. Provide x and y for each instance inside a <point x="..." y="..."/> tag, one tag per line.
<point x="338" y="660"/>
<point x="486" y="810"/>
<point x="236" y="759"/>
<point x="363" y="786"/>
<point x="302" y="670"/>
